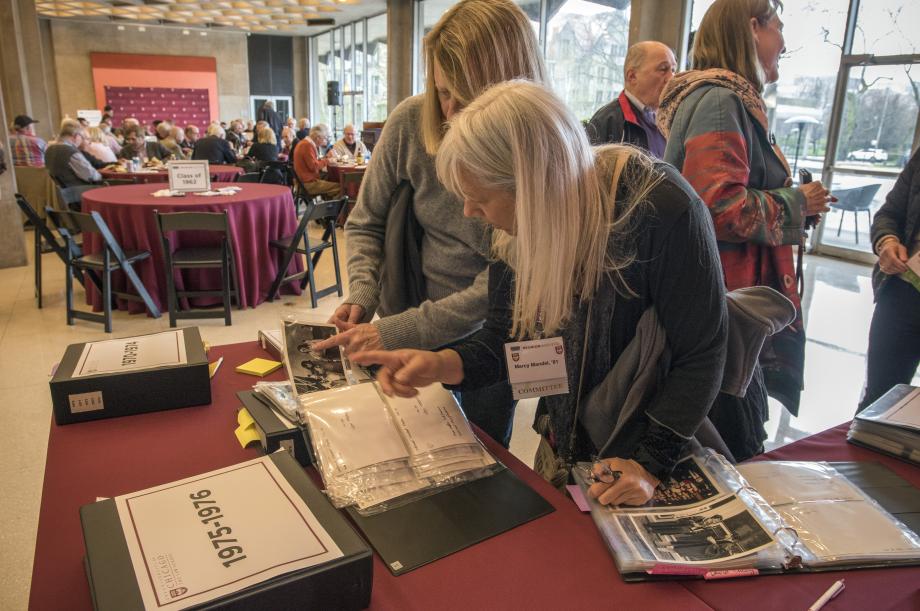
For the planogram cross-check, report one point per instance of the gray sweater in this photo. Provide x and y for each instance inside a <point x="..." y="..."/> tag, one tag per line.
<point x="454" y="248"/>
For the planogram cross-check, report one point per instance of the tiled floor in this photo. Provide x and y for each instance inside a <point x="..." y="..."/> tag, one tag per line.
<point x="31" y="341"/>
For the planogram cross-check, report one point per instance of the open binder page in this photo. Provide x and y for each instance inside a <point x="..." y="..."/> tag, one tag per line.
<point x="780" y="482"/>
<point x="352" y="427"/>
<point x="431" y="420"/>
<point x="833" y="519"/>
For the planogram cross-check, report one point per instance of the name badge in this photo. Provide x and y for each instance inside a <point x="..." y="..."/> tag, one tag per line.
<point x="537" y="368"/>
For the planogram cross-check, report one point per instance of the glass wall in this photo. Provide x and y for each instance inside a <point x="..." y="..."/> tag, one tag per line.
<point x="355" y="55"/>
<point x="585" y="49"/>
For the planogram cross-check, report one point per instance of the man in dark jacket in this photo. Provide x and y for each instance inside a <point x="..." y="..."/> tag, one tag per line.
<point x="268" y="114"/>
<point x="894" y="336"/>
<point x="630" y="117"/>
<point x="213" y="147"/>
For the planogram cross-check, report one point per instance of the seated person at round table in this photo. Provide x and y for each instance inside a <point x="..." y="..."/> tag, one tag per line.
<point x="349" y="146"/>
<point x="170" y="137"/>
<point x="308" y="165"/>
<point x="97" y="145"/>
<point x="213" y="147"/>
<point x="192" y="133"/>
<point x="66" y="162"/>
<point x="266" y="146"/>
<point x="136" y="145"/>
<point x="612" y="228"/>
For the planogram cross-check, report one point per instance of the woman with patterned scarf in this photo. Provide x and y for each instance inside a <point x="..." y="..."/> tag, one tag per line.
<point x="715" y="120"/>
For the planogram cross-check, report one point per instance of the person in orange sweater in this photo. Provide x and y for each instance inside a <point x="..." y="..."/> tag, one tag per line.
<point x="307" y="164"/>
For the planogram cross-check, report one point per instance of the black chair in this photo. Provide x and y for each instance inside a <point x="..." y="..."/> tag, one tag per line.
<point x="199" y="257"/>
<point x="110" y="259"/>
<point x="72" y="197"/>
<point x="249" y="177"/>
<point x="326" y="212"/>
<point x="855" y="200"/>
<point x="118" y="182"/>
<point x="276" y="173"/>
<point x="44" y="235"/>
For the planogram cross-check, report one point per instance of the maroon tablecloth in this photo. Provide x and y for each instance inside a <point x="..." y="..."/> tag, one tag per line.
<point x="219" y="173"/>
<point x="258" y="213"/>
<point x="896" y="588"/>
<point x="554" y="562"/>
<point x="334" y="171"/>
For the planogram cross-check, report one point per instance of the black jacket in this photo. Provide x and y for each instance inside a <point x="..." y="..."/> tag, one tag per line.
<point x="263" y="151"/>
<point x="899" y="215"/>
<point x="617" y="122"/>
<point x="214" y="150"/>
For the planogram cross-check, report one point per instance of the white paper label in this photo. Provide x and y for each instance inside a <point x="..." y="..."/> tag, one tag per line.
<point x="208" y="536"/>
<point x="537" y="368"/>
<point x="189" y="176"/>
<point x="132" y="353"/>
<point x="85" y="402"/>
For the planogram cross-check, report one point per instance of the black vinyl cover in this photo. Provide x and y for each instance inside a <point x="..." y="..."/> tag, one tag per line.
<point x="436" y="526"/>
<point x="273" y="433"/>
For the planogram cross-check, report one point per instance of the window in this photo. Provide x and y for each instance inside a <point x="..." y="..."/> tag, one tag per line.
<point x="585" y="50"/>
<point x="355" y="55"/>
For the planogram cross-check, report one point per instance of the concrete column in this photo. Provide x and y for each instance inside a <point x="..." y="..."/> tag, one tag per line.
<point x="400" y="42"/>
<point x="25" y="66"/>
<point x="12" y="237"/>
<point x="661" y="20"/>
<point x="299" y="45"/>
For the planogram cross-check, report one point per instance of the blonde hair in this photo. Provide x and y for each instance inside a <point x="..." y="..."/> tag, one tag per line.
<point x="477" y="43"/>
<point x="267" y="136"/>
<point x="569" y="230"/>
<point x="96" y="134"/>
<point x="725" y="40"/>
<point x="214" y="129"/>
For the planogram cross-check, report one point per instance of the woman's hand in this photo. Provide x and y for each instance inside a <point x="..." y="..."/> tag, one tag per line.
<point x="892" y="257"/>
<point x="353" y="338"/>
<point x="633" y="486"/>
<point x="817" y="198"/>
<point x="402" y="371"/>
<point x="347" y="312"/>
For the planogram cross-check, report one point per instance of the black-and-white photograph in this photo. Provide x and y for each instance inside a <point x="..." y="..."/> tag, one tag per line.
<point x="721" y="531"/>
<point x="312" y="370"/>
<point x="688" y="484"/>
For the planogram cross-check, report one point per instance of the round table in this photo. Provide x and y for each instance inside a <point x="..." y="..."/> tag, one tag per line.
<point x="257" y="214"/>
<point x="219" y="173"/>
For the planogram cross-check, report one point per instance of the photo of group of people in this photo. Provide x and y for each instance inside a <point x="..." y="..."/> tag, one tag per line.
<point x="311" y="370"/>
<point x="717" y="532"/>
<point x="688" y="485"/>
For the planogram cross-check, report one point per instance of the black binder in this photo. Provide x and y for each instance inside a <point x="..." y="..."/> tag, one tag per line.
<point x="344" y="583"/>
<point x="436" y="526"/>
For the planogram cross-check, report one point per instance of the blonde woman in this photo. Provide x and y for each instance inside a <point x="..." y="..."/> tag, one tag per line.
<point x="266" y="149"/>
<point x="477" y="43"/>
<point x="608" y="250"/>
<point x="97" y="145"/>
<point x="715" y="119"/>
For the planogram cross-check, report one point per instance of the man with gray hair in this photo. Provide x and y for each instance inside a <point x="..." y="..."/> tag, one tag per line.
<point x="630" y="117"/>
<point x="64" y="160"/>
<point x="308" y="165"/>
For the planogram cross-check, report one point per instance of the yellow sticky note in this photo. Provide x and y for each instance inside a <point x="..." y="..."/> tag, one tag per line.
<point x="246" y="434"/>
<point x="258" y="367"/>
<point x="244" y="418"/>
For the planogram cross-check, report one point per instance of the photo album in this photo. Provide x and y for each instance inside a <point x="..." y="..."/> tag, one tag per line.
<point x="711" y="519"/>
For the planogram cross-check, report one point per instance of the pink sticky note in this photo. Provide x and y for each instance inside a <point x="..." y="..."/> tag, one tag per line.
<point x="579" y="497"/>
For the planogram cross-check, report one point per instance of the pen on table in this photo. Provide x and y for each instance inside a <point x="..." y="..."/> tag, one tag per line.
<point x="215" y="366"/>
<point x="831" y="593"/>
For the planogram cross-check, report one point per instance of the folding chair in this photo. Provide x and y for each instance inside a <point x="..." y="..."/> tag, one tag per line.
<point x="198" y="257"/>
<point x="276" y="173"/>
<point x="103" y="264"/>
<point x="325" y="211"/>
<point x="43" y="234"/>
<point x="72" y="197"/>
<point x="118" y="182"/>
<point x="249" y="177"/>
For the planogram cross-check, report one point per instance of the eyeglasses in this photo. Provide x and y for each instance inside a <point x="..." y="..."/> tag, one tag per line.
<point x="606" y="475"/>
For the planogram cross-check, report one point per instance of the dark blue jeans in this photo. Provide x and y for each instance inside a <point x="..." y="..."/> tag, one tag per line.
<point x="490" y="408"/>
<point x="894" y="340"/>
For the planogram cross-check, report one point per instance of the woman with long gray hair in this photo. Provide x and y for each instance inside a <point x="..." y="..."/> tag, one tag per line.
<point x="603" y="248"/>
